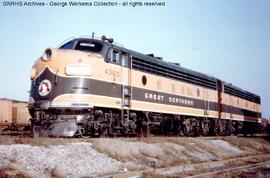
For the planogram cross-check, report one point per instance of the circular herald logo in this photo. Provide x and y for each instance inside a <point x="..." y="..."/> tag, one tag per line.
<point x="44" y="87"/>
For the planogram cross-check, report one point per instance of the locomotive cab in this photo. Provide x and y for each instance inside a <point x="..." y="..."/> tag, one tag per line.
<point x="60" y="80"/>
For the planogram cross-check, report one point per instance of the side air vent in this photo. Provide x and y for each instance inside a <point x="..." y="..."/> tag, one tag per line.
<point x="229" y="89"/>
<point x="172" y="72"/>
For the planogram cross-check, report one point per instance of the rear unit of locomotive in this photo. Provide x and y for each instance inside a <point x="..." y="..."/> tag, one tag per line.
<point x="64" y="84"/>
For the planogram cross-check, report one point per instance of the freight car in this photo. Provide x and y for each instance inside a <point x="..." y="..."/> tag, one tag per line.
<point x="263" y="126"/>
<point x="91" y="86"/>
<point x="14" y="115"/>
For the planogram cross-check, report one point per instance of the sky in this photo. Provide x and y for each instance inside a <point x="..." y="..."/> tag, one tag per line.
<point x="228" y="39"/>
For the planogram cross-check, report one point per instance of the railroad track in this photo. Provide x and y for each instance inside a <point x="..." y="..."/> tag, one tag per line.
<point x="205" y="169"/>
<point x="15" y="133"/>
<point x="230" y="170"/>
<point x="21" y="132"/>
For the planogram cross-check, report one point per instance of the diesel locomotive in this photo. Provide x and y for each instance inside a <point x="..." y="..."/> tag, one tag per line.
<point x="93" y="87"/>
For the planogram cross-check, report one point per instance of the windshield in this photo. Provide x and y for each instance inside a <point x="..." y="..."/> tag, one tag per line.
<point x="86" y="45"/>
<point x="83" y="45"/>
<point x="68" y="45"/>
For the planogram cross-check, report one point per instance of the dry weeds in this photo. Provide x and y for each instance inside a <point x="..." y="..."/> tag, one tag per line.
<point x="12" y="173"/>
<point x="39" y="141"/>
<point x="161" y="152"/>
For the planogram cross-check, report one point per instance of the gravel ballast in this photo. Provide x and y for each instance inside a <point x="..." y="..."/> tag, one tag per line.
<point x="69" y="160"/>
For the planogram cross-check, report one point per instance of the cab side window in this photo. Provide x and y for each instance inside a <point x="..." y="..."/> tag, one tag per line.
<point x="118" y="57"/>
<point x="125" y="60"/>
<point x="114" y="56"/>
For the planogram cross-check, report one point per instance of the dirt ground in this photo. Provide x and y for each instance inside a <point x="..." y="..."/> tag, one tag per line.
<point x="134" y="157"/>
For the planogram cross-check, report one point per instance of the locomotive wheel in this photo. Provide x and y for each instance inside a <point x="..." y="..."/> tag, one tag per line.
<point x="228" y="127"/>
<point x="196" y="128"/>
<point x="191" y="127"/>
<point x="187" y="127"/>
<point x="178" y="128"/>
<point x="143" y="128"/>
<point x="81" y="132"/>
<point x="34" y="133"/>
<point x="205" y="127"/>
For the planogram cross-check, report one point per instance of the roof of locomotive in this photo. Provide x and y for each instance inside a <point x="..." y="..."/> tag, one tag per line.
<point x="157" y="60"/>
<point x="148" y="58"/>
<point x="160" y="61"/>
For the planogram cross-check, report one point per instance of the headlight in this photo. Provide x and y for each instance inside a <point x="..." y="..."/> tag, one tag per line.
<point x="47" y="55"/>
<point x="78" y="69"/>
